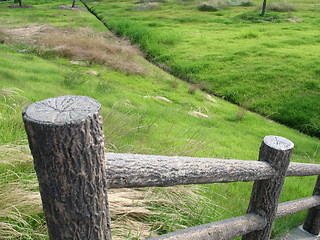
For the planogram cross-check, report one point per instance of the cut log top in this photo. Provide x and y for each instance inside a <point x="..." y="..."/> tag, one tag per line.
<point x="61" y="110"/>
<point x="278" y="143"/>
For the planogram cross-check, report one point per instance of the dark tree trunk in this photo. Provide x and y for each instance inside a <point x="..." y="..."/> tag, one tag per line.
<point x="264" y="5"/>
<point x="73" y="3"/>
<point x="18" y="1"/>
<point x="66" y="140"/>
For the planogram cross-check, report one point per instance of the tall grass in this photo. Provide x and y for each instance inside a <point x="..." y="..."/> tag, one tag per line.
<point x="138" y="120"/>
<point x="148" y="40"/>
<point x="252" y="67"/>
<point x="19" y="197"/>
<point x="178" y="207"/>
<point x="17" y="205"/>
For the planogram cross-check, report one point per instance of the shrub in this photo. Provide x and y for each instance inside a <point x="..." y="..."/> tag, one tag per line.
<point x="248" y="35"/>
<point x="212" y="6"/>
<point x="149" y="1"/>
<point x="146" y="6"/>
<point x="281" y="7"/>
<point x="246" y="3"/>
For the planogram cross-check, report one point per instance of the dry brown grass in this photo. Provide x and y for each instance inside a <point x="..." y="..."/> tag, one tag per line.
<point x="19" y="200"/>
<point x="13" y="154"/>
<point x="243" y="109"/>
<point x="18" y="197"/>
<point x="131" y="209"/>
<point x="129" y="213"/>
<point x="12" y="98"/>
<point x="81" y="44"/>
<point x="194" y="87"/>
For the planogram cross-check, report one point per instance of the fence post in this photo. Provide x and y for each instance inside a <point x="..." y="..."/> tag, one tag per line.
<point x="66" y="140"/>
<point x="312" y="222"/>
<point x="265" y="193"/>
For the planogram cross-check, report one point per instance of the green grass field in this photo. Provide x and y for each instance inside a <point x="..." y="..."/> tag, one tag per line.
<point x="145" y="110"/>
<point x="270" y="64"/>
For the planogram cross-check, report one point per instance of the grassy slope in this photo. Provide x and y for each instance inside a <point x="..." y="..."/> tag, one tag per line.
<point x="146" y="125"/>
<point x="273" y="68"/>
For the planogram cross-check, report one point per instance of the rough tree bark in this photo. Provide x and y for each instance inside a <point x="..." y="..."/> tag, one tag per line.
<point x="265" y="193"/>
<point x="138" y="170"/>
<point x="312" y="222"/>
<point x="66" y="140"/>
<point x="222" y="230"/>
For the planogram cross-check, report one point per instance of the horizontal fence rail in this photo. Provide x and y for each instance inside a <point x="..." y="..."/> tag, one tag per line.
<point x="238" y="226"/>
<point x="225" y="229"/>
<point x="294" y="206"/>
<point x="136" y="170"/>
<point x="67" y="143"/>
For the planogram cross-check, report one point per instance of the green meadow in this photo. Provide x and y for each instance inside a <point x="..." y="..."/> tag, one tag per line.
<point x="268" y="64"/>
<point x="47" y="51"/>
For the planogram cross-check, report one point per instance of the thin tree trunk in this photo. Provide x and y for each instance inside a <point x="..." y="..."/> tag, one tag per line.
<point x="264" y="5"/>
<point x="74" y="3"/>
<point x="18" y="1"/>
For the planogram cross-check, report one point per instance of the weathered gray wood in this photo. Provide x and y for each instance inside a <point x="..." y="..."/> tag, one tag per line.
<point x="312" y="222"/>
<point x="222" y="230"/>
<point x="303" y="169"/>
<point x="265" y="194"/>
<point x="234" y="227"/>
<point x="294" y="206"/>
<point x="133" y="170"/>
<point x="66" y="140"/>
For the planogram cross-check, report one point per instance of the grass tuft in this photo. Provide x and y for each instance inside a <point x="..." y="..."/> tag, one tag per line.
<point x="74" y="79"/>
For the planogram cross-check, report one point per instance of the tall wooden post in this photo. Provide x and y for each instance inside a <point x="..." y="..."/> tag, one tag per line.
<point x="66" y="140"/>
<point x="265" y="193"/>
<point x="312" y="222"/>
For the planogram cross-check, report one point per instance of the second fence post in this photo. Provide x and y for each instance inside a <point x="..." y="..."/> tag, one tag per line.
<point x="265" y="193"/>
<point x="66" y="140"/>
<point x="312" y="222"/>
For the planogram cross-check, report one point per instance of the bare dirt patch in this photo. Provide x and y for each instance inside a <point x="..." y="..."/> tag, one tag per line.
<point x="24" y="6"/>
<point x="79" y="45"/>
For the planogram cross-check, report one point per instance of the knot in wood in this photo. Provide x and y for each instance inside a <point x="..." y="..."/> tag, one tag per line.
<point x="62" y="110"/>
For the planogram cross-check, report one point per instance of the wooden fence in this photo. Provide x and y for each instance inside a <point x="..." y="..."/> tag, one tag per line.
<point x="66" y="140"/>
